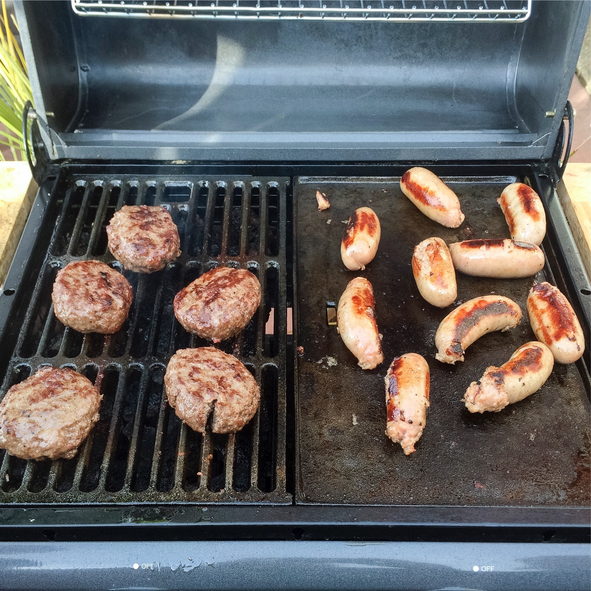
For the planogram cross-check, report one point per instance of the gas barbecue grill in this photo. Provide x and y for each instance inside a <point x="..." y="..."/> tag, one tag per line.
<point x="232" y="119"/>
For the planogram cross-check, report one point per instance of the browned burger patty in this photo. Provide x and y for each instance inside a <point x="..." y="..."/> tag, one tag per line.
<point x="89" y="296"/>
<point x="205" y="380"/>
<point x="143" y="238"/>
<point x="48" y="415"/>
<point x="219" y="304"/>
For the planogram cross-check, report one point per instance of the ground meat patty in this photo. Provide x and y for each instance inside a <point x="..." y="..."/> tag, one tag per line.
<point x="219" y="304"/>
<point x="48" y="415"/>
<point x="143" y="238"/>
<point x="205" y="380"/>
<point x="89" y="296"/>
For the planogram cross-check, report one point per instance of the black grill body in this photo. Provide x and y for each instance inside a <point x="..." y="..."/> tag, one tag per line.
<point x="233" y="128"/>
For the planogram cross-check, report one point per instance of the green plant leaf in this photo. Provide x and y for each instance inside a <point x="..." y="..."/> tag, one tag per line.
<point x="15" y="88"/>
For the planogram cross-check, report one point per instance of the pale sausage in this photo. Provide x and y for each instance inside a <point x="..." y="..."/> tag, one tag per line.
<point x="433" y="270"/>
<point x="500" y="259"/>
<point x="524" y="213"/>
<point x="555" y="323"/>
<point x="356" y="323"/>
<point x="322" y="200"/>
<point x="432" y="196"/>
<point x="525" y="373"/>
<point x="407" y="400"/>
<point x="361" y="239"/>
<point x="473" y="319"/>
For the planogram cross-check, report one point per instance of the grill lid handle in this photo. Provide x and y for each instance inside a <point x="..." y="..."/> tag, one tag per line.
<point x="37" y="154"/>
<point x="568" y="115"/>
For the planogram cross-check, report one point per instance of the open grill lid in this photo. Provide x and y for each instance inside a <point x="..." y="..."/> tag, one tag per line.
<point x="484" y="80"/>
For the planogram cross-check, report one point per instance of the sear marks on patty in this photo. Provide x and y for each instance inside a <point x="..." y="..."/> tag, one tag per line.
<point x="89" y="296"/>
<point x="143" y="238"/>
<point x="219" y="304"/>
<point x="205" y="380"/>
<point x="48" y="415"/>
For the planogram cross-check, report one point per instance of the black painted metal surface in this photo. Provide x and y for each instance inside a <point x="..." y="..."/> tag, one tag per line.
<point x="140" y="451"/>
<point x="534" y="453"/>
<point x="369" y="91"/>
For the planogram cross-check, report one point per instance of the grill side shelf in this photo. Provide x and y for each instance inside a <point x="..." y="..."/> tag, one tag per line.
<point x="139" y="451"/>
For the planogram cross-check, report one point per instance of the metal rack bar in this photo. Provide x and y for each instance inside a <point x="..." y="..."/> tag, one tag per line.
<point x="353" y="10"/>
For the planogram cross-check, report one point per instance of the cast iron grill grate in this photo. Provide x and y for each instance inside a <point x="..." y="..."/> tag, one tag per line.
<point x="139" y="451"/>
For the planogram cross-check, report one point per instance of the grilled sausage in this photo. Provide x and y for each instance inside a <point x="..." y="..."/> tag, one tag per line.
<point x="432" y="196"/>
<point x="524" y="213"/>
<point x="525" y="373"/>
<point x="322" y="200"/>
<point x="356" y="323"/>
<point x="434" y="272"/>
<point x="501" y="259"/>
<point x="473" y="319"/>
<point x="361" y="239"/>
<point x="555" y="323"/>
<point x="407" y="400"/>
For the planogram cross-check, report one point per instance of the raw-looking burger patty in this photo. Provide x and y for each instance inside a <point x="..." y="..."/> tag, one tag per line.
<point x="143" y="238"/>
<point x="89" y="296"/>
<point x="219" y="304"/>
<point x="48" y="415"/>
<point x="205" y="380"/>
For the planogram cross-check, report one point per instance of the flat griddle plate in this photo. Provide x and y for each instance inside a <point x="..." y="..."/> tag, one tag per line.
<point x="533" y="453"/>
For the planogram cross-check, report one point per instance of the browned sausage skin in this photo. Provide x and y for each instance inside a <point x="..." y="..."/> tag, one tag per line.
<point x="432" y="196"/>
<point x="357" y="325"/>
<point x="524" y="213"/>
<point x="473" y="319"/>
<point x="434" y="273"/>
<point x="361" y="239"/>
<point x="407" y="400"/>
<point x="501" y="259"/>
<point x="555" y="323"/>
<point x="525" y="373"/>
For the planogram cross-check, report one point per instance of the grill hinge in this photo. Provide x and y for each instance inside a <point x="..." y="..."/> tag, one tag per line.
<point x="37" y="136"/>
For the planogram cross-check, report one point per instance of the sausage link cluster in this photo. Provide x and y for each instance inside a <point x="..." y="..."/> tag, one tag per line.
<point x="434" y="266"/>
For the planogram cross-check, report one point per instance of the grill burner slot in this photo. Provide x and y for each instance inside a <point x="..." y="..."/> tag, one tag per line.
<point x="81" y="239"/>
<point x="150" y="197"/>
<point x="41" y="307"/>
<point x="132" y="194"/>
<point x="101" y="246"/>
<point x="139" y="451"/>
<point x="176" y="193"/>
<point x="70" y="212"/>
<point x="235" y="221"/>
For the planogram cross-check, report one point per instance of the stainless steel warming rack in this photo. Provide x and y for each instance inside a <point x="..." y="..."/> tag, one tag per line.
<point x="327" y="10"/>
